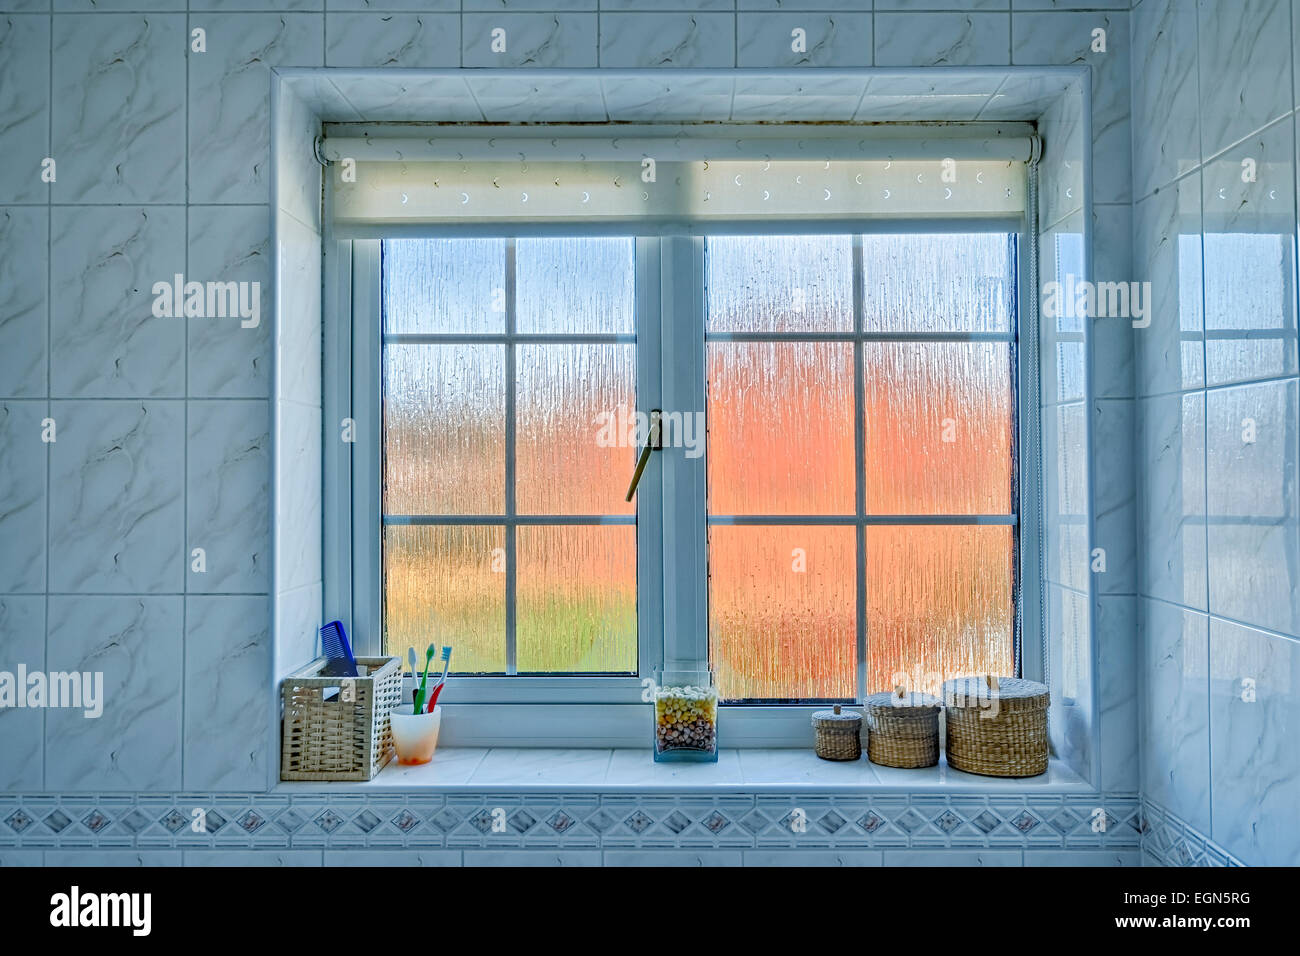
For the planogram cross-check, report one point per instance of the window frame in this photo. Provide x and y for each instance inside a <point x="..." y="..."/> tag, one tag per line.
<point x="671" y="519"/>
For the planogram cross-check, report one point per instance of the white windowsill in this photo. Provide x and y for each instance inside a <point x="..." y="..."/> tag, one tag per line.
<point x="551" y="769"/>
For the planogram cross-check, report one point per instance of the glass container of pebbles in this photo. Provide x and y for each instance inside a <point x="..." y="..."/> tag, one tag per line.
<point x="686" y="715"/>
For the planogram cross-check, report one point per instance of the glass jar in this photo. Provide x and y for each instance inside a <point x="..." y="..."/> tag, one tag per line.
<point x="686" y="715"/>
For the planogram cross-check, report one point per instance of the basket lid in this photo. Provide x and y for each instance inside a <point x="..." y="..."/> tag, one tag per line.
<point x="905" y="700"/>
<point x="837" y="716"/>
<point x="1015" y="691"/>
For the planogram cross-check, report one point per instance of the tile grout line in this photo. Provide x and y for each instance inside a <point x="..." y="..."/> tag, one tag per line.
<point x="49" y="367"/>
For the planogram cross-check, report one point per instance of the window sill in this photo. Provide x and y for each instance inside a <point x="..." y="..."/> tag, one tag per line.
<point x="554" y="769"/>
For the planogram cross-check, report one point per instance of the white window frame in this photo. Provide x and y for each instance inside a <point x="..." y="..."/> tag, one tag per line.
<point x="672" y="524"/>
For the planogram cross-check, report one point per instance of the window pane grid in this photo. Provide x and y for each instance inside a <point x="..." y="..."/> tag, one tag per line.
<point x="953" y="641"/>
<point x="531" y="636"/>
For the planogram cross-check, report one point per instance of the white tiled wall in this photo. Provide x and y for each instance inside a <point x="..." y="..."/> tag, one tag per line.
<point x="164" y="425"/>
<point x="1218" y="418"/>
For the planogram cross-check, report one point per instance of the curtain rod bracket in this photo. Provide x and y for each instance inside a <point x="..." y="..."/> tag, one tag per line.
<point x="318" y="147"/>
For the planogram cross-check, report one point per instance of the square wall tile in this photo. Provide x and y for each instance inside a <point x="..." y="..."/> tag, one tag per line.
<point x="24" y="301"/>
<point x="231" y="357"/>
<point x="107" y="341"/>
<point x="22" y="635"/>
<point x="1118" y="679"/>
<point x="1166" y="109"/>
<point x="1253" y="484"/>
<point x="1114" y="496"/>
<point x="297" y="526"/>
<point x="117" y="516"/>
<point x="1170" y="351"/>
<point x="1175" y="711"/>
<point x="25" y="106"/>
<point x="1248" y="202"/>
<point x="667" y="40"/>
<point x="119" y="107"/>
<point x="430" y="40"/>
<point x="1171" y="449"/>
<point x="299" y="332"/>
<point x="528" y="39"/>
<point x="228" y="496"/>
<point x="1113" y="336"/>
<point x="135" y="643"/>
<point x="942" y="39"/>
<point x="230" y="99"/>
<point x="1254" y="724"/>
<point x="24" y="457"/>
<point x="803" y="39"/>
<point x="227" y="664"/>
<point x="1245" y="46"/>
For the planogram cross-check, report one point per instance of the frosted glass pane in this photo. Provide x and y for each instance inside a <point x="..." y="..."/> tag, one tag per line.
<point x="446" y="584"/>
<point x="779" y="283"/>
<point x="576" y="604"/>
<point x="780" y="428"/>
<point x="574" y="285"/>
<point x="938" y="428"/>
<point x="444" y="429"/>
<point x="938" y="604"/>
<point x="783" y="612"/>
<point x="444" y="285"/>
<point x="575" y="434"/>
<point x="937" y="283"/>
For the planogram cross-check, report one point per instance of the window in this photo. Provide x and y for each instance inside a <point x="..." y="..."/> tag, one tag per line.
<point x="505" y="531"/>
<point x="837" y="506"/>
<point x="862" y="504"/>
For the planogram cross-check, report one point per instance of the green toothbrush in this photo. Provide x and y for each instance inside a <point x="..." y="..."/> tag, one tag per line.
<point x="418" y="707"/>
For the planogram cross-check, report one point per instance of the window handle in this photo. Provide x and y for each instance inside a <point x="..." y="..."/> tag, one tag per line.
<point x="653" y="443"/>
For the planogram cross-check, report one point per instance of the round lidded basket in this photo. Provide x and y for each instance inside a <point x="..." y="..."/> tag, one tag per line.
<point x="903" y="729"/>
<point x="997" y="726"/>
<point x="838" y="734"/>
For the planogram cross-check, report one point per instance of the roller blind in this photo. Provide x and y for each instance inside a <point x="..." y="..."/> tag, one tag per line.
<point x="817" y="173"/>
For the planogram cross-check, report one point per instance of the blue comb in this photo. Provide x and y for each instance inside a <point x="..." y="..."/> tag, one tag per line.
<point x="338" y="653"/>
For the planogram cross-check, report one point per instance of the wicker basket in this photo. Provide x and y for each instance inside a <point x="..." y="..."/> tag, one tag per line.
<point x="838" y="734"/>
<point x="337" y="728"/>
<point x="903" y="729"/>
<point x="997" y="726"/>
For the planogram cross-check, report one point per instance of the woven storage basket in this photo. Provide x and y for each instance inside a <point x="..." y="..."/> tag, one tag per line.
<point x="838" y="733"/>
<point x="997" y="726"/>
<point x="903" y="729"/>
<point x="338" y="738"/>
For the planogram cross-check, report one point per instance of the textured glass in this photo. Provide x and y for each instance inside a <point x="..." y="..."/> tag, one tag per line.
<point x="444" y="285"/>
<point x="937" y="283"/>
<point x="446" y="584"/>
<point x="783" y="612"/>
<point x="576" y="603"/>
<point x="444" y="429"/>
<point x="780" y="428"/>
<point x="575" y="441"/>
<point x="939" y="604"/>
<point x="779" y="283"/>
<point x="938" y="427"/>
<point x="574" y="285"/>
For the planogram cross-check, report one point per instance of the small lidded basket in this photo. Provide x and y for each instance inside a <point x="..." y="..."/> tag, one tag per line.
<point x="838" y="734"/>
<point x="903" y="729"/>
<point x="997" y="726"/>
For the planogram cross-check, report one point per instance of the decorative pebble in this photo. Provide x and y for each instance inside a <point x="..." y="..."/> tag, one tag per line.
<point x="686" y="718"/>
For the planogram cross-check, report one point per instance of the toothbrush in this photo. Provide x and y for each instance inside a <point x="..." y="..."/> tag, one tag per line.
<point x="437" y="688"/>
<point x="415" y="693"/>
<point x="418" y="706"/>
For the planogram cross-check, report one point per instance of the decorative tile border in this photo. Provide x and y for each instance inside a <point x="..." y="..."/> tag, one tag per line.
<point x="1170" y="841"/>
<point x="579" y="820"/>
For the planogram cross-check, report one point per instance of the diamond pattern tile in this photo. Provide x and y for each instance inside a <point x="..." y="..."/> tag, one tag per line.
<point x="871" y="821"/>
<point x="19" y="820"/>
<point x="406" y="821"/>
<point x="366" y="821"/>
<point x="1025" y="821"/>
<point x="214" y="820"/>
<point x="521" y="821"/>
<point x="329" y="821"/>
<point x="290" y="821"/>
<point x="677" y="821"/>
<point x="831" y="821"/>
<point x="173" y="820"/>
<point x="560" y="822"/>
<point x="755" y="822"/>
<point x="251" y="821"/>
<point x="95" y="821"/>
<point x="135" y="821"/>
<point x="1064" y="821"/>
<point x="445" y="820"/>
<point x="482" y="821"/>
<point x="910" y="821"/>
<point x="947" y="821"/>
<point x="58" y="821"/>
<point x="985" y="821"/>
<point x="716" y="822"/>
<point x="639" y="821"/>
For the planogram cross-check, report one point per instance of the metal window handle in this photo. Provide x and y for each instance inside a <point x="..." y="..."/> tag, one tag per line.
<point x="653" y="443"/>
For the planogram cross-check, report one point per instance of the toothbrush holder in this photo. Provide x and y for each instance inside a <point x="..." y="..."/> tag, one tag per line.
<point x="415" y="736"/>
